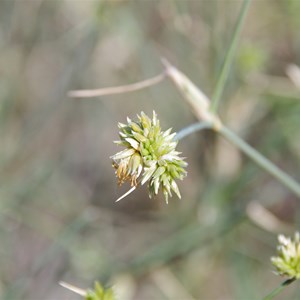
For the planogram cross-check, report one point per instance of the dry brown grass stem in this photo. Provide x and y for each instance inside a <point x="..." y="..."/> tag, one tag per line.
<point x="118" y="89"/>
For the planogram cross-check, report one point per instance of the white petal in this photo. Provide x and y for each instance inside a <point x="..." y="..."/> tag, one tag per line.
<point x="174" y="187"/>
<point x="147" y="174"/>
<point x="156" y="185"/>
<point x="154" y="118"/>
<point x="123" y="154"/>
<point x="133" y="143"/>
<point x="170" y="138"/>
<point x="126" y="194"/>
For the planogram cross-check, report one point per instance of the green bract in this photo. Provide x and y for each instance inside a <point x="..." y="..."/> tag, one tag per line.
<point x="288" y="260"/>
<point x="150" y="154"/>
<point x="99" y="293"/>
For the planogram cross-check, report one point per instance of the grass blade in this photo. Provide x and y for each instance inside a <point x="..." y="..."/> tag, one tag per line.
<point x="229" y="58"/>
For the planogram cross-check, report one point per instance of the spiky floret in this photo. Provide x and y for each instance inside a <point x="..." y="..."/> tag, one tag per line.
<point x="150" y="153"/>
<point x="288" y="260"/>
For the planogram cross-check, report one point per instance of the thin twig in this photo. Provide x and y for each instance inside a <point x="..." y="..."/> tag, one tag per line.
<point x="118" y="89"/>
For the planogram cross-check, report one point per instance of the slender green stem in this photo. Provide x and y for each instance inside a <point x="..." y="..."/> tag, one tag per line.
<point x="260" y="160"/>
<point x="191" y="129"/>
<point x="279" y="289"/>
<point x="229" y="58"/>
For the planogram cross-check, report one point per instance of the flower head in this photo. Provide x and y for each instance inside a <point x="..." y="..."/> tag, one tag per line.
<point x="150" y="154"/>
<point x="288" y="260"/>
<point x="100" y="293"/>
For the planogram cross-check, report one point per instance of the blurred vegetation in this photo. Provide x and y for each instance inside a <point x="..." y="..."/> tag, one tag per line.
<point x="58" y="216"/>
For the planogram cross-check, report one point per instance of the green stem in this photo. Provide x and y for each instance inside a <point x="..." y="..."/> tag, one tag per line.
<point x="191" y="129"/>
<point x="279" y="289"/>
<point x="260" y="160"/>
<point x="229" y="58"/>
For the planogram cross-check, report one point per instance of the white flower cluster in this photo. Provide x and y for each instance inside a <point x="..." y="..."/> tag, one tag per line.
<point x="288" y="260"/>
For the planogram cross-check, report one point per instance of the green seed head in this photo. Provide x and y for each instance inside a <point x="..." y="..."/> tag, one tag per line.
<point x="288" y="260"/>
<point x="100" y="293"/>
<point x="149" y="153"/>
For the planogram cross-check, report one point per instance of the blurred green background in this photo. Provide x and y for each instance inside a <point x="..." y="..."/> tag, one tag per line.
<point x="58" y="216"/>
